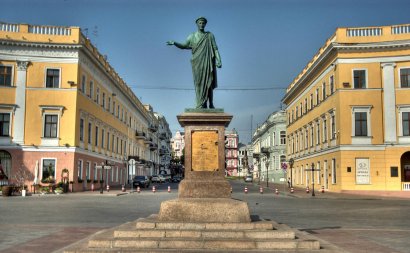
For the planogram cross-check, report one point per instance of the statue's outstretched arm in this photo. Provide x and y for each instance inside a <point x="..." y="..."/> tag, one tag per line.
<point x="178" y="45"/>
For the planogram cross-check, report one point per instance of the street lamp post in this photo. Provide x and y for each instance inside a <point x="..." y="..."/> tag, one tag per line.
<point x="291" y="161"/>
<point x="102" y="178"/>
<point x="267" y="175"/>
<point x="313" y="180"/>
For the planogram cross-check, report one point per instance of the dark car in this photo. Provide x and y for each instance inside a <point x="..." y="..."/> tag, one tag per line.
<point x="176" y="179"/>
<point x="142" y="181"/>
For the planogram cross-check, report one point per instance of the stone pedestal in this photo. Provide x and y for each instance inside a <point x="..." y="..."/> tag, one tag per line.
<point x="204" y="194"/>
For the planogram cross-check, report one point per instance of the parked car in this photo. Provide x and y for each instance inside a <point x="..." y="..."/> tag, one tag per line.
<point x="176" y="179"/>
<point x="158" y="179"/>
<point x="167" y="177"/>
<point x="142" y="181"/>
<point x="249" y="179"/>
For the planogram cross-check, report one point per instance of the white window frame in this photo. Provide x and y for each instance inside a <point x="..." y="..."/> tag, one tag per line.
<point x="97" y="95"/>
<point x="401" y="109"/>
<point x="95" y="171"/>
<point x="81" y="131"/>
<point x="333" y="132"/>
<point x="80" y="170"/>
<point x="312" y="132"/>
<point x="42" y="165"/>
<point x="332" y="84"/>
<point x="306" y="137"/>
<point x="91" y="89"/>
<point x="7" y="138"/>
<point x="334" y="178"/>
<point x="362" y="139"/>
<point x="55" y="110"/>
<point x="83" y="84"/>
<point x="324" y="93"/>
<point x="366" y="78"/>
<point x="88" y="170"/>
<point x="399" y="76"/>
<point x="59" y="77"/>
<point x="324" y="129"/>
<point x="12" y="75"/>
<point x="282" y="138"/>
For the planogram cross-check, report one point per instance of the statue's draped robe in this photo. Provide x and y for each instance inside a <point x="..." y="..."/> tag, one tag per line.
<point x="203" y="64"/>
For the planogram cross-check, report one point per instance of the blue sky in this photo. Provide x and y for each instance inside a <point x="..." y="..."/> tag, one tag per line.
<point x="263" y="44"/>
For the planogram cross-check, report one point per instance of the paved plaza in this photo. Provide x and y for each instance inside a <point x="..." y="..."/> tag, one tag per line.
<point x="350" y="222"/>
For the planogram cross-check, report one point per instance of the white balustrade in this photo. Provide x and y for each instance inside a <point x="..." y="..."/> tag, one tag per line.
<point x="362" y="32"/>
<point x="400" y="29"/>
<point x="49" y="30"/>
<point x="406" y="186"/>
<point x="9" y="27"/>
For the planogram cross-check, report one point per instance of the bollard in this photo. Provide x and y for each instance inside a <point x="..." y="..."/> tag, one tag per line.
<point x="169" y="189"/>
<point x="138" y="189"/>
<point x="108" y="188"/>
<point x="92" y="187"/>
<point x="291" y="190"/>
<point x="261" y="190"/>
<point x="307" y="189"/>
<point x="246" y="189"/>
<point x="123" y="188"/>
<point x="276" y="191"/>
<point x="231" y="189"/>
<point x="323" y="189"/>
<point x="153" y="189"/>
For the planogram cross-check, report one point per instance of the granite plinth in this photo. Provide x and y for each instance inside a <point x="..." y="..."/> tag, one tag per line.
<point x="204" y="209"/>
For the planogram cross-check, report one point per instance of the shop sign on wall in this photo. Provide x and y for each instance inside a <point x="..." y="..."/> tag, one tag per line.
<point x="362" y="171"/>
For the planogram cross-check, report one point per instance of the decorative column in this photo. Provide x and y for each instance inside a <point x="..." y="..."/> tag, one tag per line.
<point x="19" y="116"/>
<point x="389" y="103"/>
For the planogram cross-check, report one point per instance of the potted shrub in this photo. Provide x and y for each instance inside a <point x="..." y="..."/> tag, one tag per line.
<point x="7" y="190"/>
<point x="44" y="190"/>
<point x="59" y="190"/>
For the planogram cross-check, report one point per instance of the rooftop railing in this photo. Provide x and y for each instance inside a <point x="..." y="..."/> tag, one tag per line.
<point x="9" y="27"/>
<point x="49" y="30"/>
<point x="356" y="32"/>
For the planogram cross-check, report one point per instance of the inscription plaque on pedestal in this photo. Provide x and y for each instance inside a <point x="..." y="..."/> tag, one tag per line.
<point x="205" y="150"/>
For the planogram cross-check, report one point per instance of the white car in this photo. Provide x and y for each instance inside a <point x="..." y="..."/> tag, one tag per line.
<point x="249" y="179"/>
<point x="158" y="179"/>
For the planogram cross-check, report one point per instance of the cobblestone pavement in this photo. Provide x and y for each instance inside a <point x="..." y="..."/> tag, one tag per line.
<point x="352" y="222"/>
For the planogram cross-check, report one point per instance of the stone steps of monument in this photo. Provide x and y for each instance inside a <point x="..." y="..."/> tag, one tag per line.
<point x="226" y="234"/>
<point x="203" y="244"/>
<point x="150" y="223"/>
<point x="150" y="235"/>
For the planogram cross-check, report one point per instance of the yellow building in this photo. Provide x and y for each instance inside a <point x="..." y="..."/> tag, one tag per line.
<point x="64" y="111"/>
<point x="348" y="113"/>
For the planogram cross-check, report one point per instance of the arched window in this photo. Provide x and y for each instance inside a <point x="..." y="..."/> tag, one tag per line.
<point x="5" y="161"/>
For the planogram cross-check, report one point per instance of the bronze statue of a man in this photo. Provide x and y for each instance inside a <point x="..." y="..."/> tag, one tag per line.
<point x="205" y="57"/>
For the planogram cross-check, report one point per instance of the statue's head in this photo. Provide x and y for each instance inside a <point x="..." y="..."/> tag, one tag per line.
<point x="201" y="18"/>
